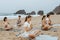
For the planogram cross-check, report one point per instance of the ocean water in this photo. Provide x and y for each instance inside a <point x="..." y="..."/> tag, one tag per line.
<point x="13" y="16"/>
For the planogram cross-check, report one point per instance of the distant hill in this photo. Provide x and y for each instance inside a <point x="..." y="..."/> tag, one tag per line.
<point x="32" y="13"/>
<point x="40" y="12"/>
<point x="57" y="10"/>
<point x="21" y="12"/>
<point x="51" y="13"/>
<point x="24" y="12"/>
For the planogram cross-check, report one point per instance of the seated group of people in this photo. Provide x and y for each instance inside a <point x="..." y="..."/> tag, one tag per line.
<point x="27" y="27"/>
<point x="46" y="24"/>
<point x="8" y="26"/>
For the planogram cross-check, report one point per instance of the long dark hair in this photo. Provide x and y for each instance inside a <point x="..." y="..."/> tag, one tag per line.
<point x="43" y="17"/>
<point x="27" y="18"/>
<point x="4" y="18"/>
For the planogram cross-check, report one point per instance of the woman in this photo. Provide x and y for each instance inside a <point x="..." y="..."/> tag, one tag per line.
<point x="45" y="26"/>
<point x="28" y="27"/>
<point x="6" y="24"/>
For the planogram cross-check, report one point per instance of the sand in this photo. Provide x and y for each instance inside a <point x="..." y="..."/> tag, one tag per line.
<point x="36" y="21"/>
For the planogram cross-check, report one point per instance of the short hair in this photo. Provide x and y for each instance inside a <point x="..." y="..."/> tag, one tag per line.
<point x="19" y="16"/>
<point x="48" y="15"/>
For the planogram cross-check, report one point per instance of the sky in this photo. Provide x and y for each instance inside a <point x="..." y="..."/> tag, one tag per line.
<point x="11" y="6"/>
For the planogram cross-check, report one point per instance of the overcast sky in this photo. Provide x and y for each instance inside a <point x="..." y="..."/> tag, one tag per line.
<point x="11" y="6"/>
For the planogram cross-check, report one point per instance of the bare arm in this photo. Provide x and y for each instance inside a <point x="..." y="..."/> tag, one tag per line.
<point x="43" y="22"/>
<point x="31" y="26"/>
<point x="27" y="29"/>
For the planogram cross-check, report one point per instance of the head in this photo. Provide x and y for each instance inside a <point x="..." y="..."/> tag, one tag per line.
<point x="43" y="17"/>
<point x="19" y="17"/>
<point x="48" y="16"/>
<point x="5" y="19"/>
<point x="28" y="18"/>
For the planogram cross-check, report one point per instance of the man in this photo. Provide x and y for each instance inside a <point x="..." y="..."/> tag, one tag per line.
<point x="48" y="20"/>
<point x="19" y="21"/>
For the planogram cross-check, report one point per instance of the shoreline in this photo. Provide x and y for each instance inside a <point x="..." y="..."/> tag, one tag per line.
<point x="16" y="16"/>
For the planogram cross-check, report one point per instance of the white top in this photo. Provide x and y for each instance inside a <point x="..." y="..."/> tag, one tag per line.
<point x="47" y="19"/>
<point x="25" y="34"/>
<point x="26" y="24"/>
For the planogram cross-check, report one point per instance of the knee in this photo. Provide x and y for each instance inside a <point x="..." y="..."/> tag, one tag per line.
<point x="32" y="36"/>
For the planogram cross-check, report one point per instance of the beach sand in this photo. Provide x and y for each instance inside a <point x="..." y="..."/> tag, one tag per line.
<point x="36" y="21"/>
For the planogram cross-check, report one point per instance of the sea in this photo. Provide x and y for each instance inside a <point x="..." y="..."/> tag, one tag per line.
<point x="13" y="16"/>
